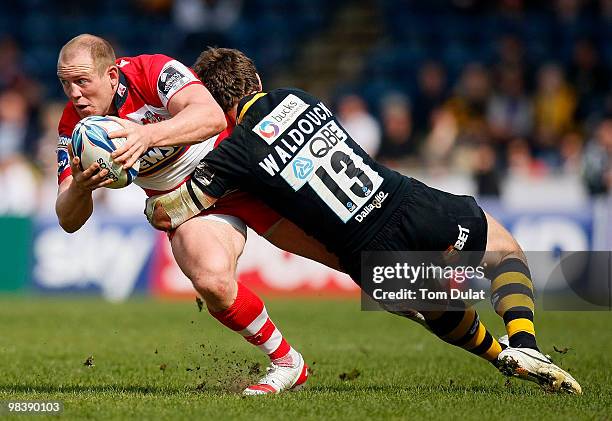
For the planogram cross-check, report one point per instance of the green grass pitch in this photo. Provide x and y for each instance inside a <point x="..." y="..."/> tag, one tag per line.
<point x="165" y="360"/>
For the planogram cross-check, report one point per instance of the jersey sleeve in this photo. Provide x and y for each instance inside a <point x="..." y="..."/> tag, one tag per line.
<point x="226" y="166"/>
<point x="166" y="77"/>
<point x="66" y="125"/>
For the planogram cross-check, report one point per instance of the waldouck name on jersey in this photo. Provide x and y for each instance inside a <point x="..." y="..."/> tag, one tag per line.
<point x="314" y="152"/>
<point x="290" y="144"/>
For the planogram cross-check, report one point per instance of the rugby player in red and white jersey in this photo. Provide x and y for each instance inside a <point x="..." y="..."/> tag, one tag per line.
<point x="171" y="121"/>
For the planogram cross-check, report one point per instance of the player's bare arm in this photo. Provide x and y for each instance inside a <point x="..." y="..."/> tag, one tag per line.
<point x="195" y="117"/>
<point x="74" y="203"/>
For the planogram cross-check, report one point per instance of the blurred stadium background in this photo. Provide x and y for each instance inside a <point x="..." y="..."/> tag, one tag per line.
<point x="507" y="100"/>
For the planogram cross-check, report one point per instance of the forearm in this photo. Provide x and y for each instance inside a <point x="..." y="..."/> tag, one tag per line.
<point x="73" y="208"/>
<point x="193" y="124"/>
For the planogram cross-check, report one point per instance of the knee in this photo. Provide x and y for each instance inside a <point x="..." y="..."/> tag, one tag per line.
<point x="512" y="250"/>
<point x="206" y="252"/>
<point x="501" y="245"/>
<point x="217" y="294"/>
<point x="214" y="278"/>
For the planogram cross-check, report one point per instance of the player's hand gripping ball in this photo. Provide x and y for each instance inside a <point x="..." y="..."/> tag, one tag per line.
<point x="90" y="142"/>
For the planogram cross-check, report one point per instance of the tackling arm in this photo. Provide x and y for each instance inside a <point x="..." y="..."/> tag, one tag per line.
<point x="219" y="172"/>
<point x="168" y="211"/>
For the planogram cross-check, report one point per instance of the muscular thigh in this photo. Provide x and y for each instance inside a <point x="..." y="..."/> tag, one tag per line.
<point x="203" y="246"/>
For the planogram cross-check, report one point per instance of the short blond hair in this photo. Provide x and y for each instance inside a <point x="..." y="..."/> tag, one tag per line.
<point x="100" y="50"/>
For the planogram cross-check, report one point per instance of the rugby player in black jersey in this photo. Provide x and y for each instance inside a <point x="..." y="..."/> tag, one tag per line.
<point x="289" y="149"/>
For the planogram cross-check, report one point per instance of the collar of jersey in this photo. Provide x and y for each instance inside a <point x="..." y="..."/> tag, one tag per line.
<point x="244" y="106"/>
<point x="120" y="100"/>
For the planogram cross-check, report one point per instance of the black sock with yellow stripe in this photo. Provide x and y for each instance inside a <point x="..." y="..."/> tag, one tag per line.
<point x="512" y="298"/>
<point x="462" y="327"/>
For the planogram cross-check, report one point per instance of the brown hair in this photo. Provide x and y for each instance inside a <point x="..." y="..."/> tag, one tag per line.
<point x="228" y="74"/>
<point x="100" y="50"/>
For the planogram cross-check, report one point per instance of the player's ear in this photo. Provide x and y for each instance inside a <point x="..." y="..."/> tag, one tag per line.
<point x="113" y="74"/>
<point x="259" y="86"/>
<point x="233" y="112"/>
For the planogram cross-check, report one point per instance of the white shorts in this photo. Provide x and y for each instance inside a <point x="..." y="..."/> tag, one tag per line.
<point x="228" y="219"/>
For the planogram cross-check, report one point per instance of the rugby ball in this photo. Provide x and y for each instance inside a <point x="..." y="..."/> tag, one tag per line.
<point x="90" y="142"/>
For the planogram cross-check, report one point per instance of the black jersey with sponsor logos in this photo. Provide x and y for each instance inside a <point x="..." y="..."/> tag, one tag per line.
<point x="290" y="150"/>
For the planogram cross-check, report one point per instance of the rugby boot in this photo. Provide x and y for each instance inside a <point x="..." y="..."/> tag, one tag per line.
<point x="530" y="364"/>
<point x="280" y="377"/>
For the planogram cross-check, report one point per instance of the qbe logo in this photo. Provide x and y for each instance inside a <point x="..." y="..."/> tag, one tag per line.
<point x="302" y="167"/>
<point x="280" y="118"/>
<point x="267" y="129"/>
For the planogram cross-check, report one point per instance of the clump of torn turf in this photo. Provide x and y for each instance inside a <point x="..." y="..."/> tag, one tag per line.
<point x="216" y="369"/>
<point x="200" y="303"/>
<point x="351" y="375"/>
<point x="255" y="368"/>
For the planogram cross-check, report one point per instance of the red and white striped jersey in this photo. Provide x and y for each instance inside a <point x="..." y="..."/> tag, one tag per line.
<point x="146" y="85"/>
